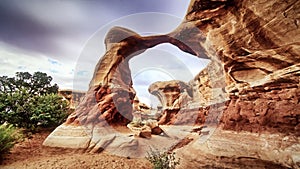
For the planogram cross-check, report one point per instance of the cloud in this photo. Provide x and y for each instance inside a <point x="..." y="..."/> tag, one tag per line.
<point x="58" y="37"/>
<point x="54" y="62"/>
<point x="15" y="59"/>
<point x="44" y="26"/>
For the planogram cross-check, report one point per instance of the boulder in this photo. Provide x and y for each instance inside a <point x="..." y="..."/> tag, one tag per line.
<point x="145" y="132"/>
<point x="156" y="130"/>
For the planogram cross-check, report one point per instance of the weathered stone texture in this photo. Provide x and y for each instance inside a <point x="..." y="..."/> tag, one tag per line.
<point x="255" y="51"/>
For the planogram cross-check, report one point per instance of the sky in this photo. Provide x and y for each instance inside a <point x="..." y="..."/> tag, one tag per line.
<point x="65" y="39"/>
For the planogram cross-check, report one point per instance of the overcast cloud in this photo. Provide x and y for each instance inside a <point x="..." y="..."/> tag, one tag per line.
<point x="64" y="38"/>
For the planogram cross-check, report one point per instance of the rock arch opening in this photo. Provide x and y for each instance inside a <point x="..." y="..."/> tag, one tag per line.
<point x="166" y="62"/>
<point x="162" y="63"/>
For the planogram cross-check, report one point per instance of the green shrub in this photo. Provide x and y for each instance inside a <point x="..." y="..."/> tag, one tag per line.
<point x="50" y="111"/>
<point x="162" y="160"/>
<point x="34" y="112"/>
<point x="9" y="136"/>
<point x="31" y="102"/>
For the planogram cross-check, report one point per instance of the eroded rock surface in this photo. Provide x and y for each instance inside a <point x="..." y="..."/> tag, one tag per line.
<point x="255" y="51"/>
<point x="173" y="95"/>
<point x="230" y="149"/>
<point x="258" y="44"/>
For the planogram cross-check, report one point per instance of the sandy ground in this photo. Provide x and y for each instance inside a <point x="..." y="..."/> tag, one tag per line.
<point x="31" y="154"/>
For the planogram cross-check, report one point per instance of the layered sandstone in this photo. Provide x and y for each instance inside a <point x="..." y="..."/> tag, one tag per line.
<point x="174" y="96"/>
<point x="169" y="92"/>
<point x="258" y="44"/>
<point x="255" y="61"/>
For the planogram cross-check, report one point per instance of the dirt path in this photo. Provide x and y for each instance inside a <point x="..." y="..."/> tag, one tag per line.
<point x="31" y="154"/>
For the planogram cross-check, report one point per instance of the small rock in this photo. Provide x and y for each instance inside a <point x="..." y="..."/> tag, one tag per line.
<point x="156" y="130"/>
<point x="145" y="134"/>
<point x="286" y="138"/>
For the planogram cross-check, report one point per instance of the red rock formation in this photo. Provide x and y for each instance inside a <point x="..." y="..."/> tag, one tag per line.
<point x="258" y="44"/>
<point x="174" y="96"/>
<point x="110" y="96"/>
<point x="255" y="46"/>
<point x="169" y="92"/>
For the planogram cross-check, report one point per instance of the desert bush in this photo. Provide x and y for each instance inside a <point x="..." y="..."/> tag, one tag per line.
<point x="47" y="111"/>
<point x="33" y="112"/>
<point x="31" y="102"/>
<point x="8" y="137"/>
<point x="162" y="160"/>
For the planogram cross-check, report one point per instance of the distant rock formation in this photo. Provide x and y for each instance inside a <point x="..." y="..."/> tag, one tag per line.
<point x="173" y="95"/>
<point x="72" y="96"/>
<point x="170" y="91"/>
<point x="139" y="106"/>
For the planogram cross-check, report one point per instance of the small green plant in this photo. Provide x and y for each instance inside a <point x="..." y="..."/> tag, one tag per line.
<point x="9" y="136"/>
<point x="162" y="160"/>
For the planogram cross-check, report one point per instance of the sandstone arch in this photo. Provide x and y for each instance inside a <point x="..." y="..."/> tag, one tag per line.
<point x="110" y="95"/>
<point x="257" y="44"/>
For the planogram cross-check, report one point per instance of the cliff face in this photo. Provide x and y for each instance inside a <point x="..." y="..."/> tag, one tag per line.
<point x="255" y="49"/>
<point x="258" y="44"/>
